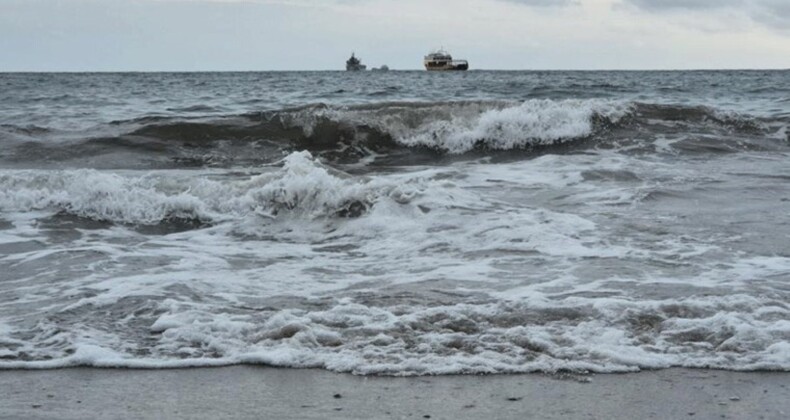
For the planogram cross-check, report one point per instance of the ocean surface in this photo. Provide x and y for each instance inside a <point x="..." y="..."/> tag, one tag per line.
<point x="398" y="223"/>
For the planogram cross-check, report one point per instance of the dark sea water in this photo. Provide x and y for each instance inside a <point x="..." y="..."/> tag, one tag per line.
<point x="396" y="223"/>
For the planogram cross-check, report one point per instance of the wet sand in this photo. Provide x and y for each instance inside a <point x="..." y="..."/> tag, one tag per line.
<point x="268" y="393"/>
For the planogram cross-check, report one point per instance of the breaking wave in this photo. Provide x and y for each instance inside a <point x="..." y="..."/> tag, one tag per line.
<point x="301" y="186"/>
<point x="401" y="132"/>
<point x="461" y="127"/>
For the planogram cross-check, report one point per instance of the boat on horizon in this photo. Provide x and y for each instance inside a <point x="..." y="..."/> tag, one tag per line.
<point x="354" y="64"/>
<point x="442" y="60"/>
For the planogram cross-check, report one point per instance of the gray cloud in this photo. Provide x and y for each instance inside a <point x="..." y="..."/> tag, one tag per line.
<point x="683" y="4"/>
<point x="775" y="13"/>
<point x="545" y="3"/>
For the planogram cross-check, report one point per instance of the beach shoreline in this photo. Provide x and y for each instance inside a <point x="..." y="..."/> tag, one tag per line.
<point x="264" y="392"/>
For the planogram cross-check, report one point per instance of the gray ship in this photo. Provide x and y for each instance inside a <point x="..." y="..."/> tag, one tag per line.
<point x="353" y="64"/>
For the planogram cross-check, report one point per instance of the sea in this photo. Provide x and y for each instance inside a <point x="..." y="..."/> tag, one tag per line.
<point x="396" y="223"/>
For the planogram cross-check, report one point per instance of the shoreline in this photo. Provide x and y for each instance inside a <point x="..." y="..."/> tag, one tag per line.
<point x="245" y="391"/>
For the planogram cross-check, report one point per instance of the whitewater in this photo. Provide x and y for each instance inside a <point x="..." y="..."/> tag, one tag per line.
<point x="399" y="223"/>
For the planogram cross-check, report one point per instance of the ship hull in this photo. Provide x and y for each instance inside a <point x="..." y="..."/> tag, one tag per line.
<point x="446" y="66"/>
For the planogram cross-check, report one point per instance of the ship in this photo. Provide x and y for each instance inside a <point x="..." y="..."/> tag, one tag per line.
<point x="353" y="64"/>
<point x="441" y="60"/>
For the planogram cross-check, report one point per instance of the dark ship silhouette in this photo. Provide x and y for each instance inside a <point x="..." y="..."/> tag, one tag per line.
<point x="353" y="64"/>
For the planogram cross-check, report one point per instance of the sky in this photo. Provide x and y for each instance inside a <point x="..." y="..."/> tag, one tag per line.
<point x="216" y="35"/>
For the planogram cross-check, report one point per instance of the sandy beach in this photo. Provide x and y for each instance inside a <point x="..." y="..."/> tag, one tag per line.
<point x="260" y="392"/>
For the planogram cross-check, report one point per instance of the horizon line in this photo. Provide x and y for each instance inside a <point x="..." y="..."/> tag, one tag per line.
<point x="402" y="70"/>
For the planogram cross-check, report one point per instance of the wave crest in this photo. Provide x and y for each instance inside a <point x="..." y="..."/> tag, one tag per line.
<point x="461" y="127"/>
<point x="306" y="187"/>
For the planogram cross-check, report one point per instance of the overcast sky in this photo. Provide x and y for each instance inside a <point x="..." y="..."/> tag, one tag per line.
<point x="113" y="35"/>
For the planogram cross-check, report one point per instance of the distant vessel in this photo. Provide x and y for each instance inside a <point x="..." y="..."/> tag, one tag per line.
<point x="382" y="68"/>
<point x="442" y="60"/>
<point x="353" y="64"/>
